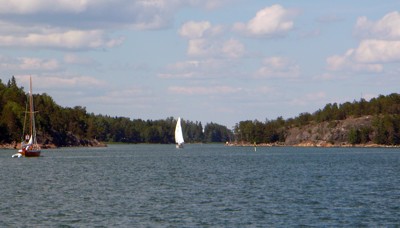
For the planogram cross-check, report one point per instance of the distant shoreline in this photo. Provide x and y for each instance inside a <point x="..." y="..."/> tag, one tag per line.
<point x="14" y="145"/>
<point x="321" y="144"/>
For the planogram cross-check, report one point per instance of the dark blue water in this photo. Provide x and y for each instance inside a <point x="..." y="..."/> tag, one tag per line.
<point x="201" y="186"/>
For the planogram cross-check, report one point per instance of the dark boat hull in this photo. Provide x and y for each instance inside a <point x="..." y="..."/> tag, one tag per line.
<point x="179" y="146"/>
<point x="32" y="154"/>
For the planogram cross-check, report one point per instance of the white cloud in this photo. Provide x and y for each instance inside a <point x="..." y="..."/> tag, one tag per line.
<point x="72" y="39"/>
<point x="233" y="48"/>
<point x="380" y="45"/>
<point x="381" y="42"/>
<point x="278" y="67"/>
<point x="92" y="14"/>
<point x="66" y="90"/>
<point x="348" y="62"/>
<point x="204" y="41"/>
<point x="269" y="22"/>
<point x="37" y="6"/>
<point x="83" y="24"/>
<point x="387" y="28"/>
<point x="38" y="64"/>
<point x="194" y="30"/>
<point x="378" y="51"/>
<point x="98" y="14"/>
<point x="28" y="64"/>
<point x="200" y="47"/>
<point x="63" y="82"/>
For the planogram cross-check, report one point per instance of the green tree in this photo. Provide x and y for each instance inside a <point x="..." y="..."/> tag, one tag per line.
<point x="216" y="133"/>
<point x="354" y="136"/>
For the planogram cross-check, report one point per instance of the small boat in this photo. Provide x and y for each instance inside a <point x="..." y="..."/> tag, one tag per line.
<point x="178" y="134"/>
<point x="29" y="145"/>
<point x="17" y="155"/>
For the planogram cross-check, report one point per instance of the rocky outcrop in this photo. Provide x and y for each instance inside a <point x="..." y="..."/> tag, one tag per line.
<point x="326" y="134"/>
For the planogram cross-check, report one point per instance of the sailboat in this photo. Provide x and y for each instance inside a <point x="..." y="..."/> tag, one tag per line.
<point x="178" y="134"/>
<point x="29" y="145"/>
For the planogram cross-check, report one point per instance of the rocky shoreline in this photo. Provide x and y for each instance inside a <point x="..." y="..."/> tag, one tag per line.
<point x="322" y="144"/>
<point x="325" y="134"/>
<point x="82" y="143"/>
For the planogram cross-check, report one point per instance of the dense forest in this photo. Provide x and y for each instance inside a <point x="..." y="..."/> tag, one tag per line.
<point x="384" y="127"/>
<point x="65" y="126"/>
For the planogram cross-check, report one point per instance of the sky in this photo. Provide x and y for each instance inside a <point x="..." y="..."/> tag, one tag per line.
<point x="220" y="61"/>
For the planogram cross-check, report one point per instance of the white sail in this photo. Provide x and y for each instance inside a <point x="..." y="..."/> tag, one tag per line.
<point x="178" y="133"/>
<point x="30" y="142"/>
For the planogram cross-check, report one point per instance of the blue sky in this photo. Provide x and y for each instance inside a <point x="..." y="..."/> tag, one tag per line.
<point x="220" y="61"/>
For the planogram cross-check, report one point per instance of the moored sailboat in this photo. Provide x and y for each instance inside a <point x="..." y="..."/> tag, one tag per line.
<point x="178" y="134"/>
<point x="29" y="145"/>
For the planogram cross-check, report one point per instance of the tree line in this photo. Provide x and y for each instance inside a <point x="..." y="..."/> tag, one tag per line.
<point x="62" y="125"/>
<point x="384" y="129"/>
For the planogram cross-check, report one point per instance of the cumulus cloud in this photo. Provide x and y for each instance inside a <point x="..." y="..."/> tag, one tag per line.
<point x="278" y="67"/>
<point x="380" y="44"/>
<point x="203" y="41"/>
<point x="373" y="51"/>
<point x="381" y="39"/>
<point x="84" y="24"/>
<point x="201" y="47"/>
<point x="139" y="14"/>
<point x="269" y="22"/>
<point x="199" y="35"/>
<point x="387" y="28"/>
<point x="233" y="48"/>
<point x="194" y="30"/>
<point x="348" y="62"/>
<point x="92" y="14"/>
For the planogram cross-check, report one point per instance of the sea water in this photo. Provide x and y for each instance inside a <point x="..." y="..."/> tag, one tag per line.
<point x="201" y="186"/>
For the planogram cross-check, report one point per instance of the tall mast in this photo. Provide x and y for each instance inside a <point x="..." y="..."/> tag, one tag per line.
<point x="32" y="113"/>
<point x="30" y="107"/>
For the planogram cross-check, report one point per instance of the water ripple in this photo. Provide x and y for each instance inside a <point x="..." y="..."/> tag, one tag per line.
<point x="201" y="186"/>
